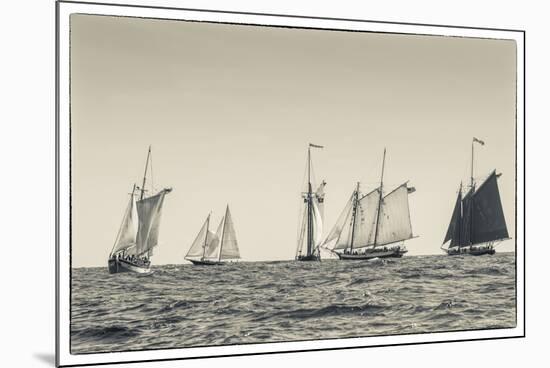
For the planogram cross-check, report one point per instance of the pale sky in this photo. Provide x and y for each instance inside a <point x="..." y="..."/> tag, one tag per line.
<point x="229" y="111"/>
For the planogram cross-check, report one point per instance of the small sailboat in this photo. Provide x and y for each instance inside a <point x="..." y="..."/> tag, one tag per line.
<point x="372" y="225"/>
<point x="311" y="228"/>
<point x="133" y="248"/>
<point x="217" y="248"/>
<point x="477" y="223"/>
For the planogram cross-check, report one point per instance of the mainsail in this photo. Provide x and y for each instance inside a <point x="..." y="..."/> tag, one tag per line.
<point x="394" y="223"/>
<point x="366" y="222"/>
<point x="149" y="212"/>
<point x="229" y="248"/>
<point x="488" y="216"/>
<point x="479" y="216"/>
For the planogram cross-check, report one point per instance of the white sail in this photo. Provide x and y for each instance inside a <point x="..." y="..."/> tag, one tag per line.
<point x="394" y="223"/>
<point x="319" y="198"/>
<point x="212" y="243"/>
<point x="366" y="219"/>
<point x="340" y="223"/>
<point x="302" y="233"/>
<point x="126" y="237"/>
<point x="229" y="245"/>
<point x="317" y="222"/>
<point x="344" y="238"/>
<point x="199" y="244"/>
<point x="212" y="251"/>
<point x="149" y="212"/>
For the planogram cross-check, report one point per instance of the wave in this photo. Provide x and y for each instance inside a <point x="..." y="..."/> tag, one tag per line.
<point x="448" y="304"/>
<point x="180" y="304"/>
<point x="362" y="280"/>
<point x="113" y="332"/>
<point x="330" y="310"/>
<point x="183" y="306"/>
<point x="488" y="271"/>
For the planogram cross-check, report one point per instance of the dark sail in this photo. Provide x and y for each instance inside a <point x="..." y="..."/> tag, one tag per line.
<point x="466" y="228"/>
<point x="453" y="232"/>
<point x="488" y="217"/>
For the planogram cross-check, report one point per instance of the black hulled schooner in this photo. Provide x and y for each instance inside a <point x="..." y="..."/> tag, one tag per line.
<point x="217" y="248"/>
<point x="373" y="225"/>
<point x="311" y="228"/>
<point x="477" y="222"/>
<point x="133" y="248"/>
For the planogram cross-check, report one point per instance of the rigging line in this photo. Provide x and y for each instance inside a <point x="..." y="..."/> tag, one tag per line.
<point x="152" y="176"/>
<point x="313" y="176"/>
<point x="304" y="179"/>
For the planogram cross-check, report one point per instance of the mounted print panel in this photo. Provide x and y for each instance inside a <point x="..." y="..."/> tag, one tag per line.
<point x="234" y="184"/>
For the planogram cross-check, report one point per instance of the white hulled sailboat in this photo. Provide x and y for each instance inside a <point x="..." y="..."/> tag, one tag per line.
<point x="211" y="248"/>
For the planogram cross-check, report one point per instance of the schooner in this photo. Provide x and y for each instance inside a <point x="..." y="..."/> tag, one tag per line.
<point x="311" y="227"/>
<point x="372" y="225"/>
<point x="133" y="248"/>
<point x="477" y="222"/>
<point x="211" y="248"/>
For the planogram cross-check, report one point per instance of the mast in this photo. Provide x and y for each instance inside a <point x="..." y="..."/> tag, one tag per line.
<point x="472" y="188"/>
<point x="472" y="185"/>
<point x="223" y="231"/>
<point x="461" y="217"/>
<point x="309" y="204"/>
<point x="380" y="198"/>
<point x="472" y="167"/>
<point x="355" y="202"/>
<point x="206" y="236"/>
<point x="145" y="174"/>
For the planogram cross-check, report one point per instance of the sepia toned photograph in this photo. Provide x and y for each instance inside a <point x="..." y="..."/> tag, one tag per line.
<point x="235" y="184"/>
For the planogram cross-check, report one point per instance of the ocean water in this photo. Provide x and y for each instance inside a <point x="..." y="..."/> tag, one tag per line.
<point x="255" y="302"/>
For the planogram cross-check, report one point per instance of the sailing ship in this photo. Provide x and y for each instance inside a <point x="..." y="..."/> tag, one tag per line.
<point x="373" y="225"/>
<point x="133" y="248"/>
<point x="311" y="228"/>
<point x="217" y="248"/>
<point x="477" y="223"/>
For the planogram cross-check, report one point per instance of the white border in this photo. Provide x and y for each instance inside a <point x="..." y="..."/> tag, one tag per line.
<point x="63" y="356"/>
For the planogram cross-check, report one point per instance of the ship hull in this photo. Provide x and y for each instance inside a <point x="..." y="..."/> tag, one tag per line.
<point x="395" y="253"/>
<point x="310" y="258"/>
<point x="198" y="262"/>
<point x="471" y="251"/>
<point x="119" y="265"/>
